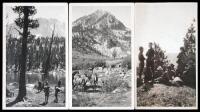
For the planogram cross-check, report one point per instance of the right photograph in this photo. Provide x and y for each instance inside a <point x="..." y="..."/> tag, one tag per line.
<point x="166" y="55"/>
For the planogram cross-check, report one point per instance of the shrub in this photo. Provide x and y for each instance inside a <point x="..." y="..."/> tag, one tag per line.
<point x="112" y="83"/>
<point x="189" y="60"/>
<point x="86" y="65"/>
<point x="127" y="62"/>
<point x="100" y="63"/>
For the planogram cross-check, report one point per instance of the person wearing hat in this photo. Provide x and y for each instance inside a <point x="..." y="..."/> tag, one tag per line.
<point x="150" y="62"/>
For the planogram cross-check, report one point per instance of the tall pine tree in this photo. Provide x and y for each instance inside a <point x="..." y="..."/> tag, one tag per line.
<point x="189" y="70"/>
<point x="160" y="57"/>
<point x="24" y="22"/>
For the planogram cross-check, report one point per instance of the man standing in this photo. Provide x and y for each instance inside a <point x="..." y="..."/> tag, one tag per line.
<point x="39" y="86"/>
<point x="57" y="90"/>
<point x="141" y="64"/>
<point x="46" y="91"/>
<point x="181" y="62"/>
<point x="150" y="62"/>
<point x="59" y="83"/>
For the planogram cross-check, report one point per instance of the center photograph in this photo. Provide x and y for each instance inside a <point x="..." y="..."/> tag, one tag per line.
<point x="100" y="70"/>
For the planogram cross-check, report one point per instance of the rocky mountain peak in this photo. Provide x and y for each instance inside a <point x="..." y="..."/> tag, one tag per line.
<point x="100" y="12"/>
<point x="99" y="19"/>
<point x="100" y="33"/>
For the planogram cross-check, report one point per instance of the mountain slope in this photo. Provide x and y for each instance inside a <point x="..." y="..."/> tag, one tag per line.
<point x="101" y="33"/>
<point x="45" y="28"/>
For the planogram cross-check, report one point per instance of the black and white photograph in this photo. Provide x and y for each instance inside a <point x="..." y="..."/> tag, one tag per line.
<point x="100" y="55"/>
<point x="35" y="36"/>
<point x="166" y="55"/>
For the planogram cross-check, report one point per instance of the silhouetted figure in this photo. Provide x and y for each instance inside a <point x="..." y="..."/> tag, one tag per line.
<point x="39" y="86"/>
<point x="46" y="91"/>
<point x="181" y="62"/>
<point x="57" y="90"/>
<point x="170" y="74"/>
<point x="141" y="64"/>
<point x="150" y="63"/>
<point x="59" y="83"/>
<point x="172" y="71"/>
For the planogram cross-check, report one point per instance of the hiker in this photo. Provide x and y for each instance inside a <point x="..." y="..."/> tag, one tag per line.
<point x="150" y="62"/>
<point x="39" y="86"/>
<point x="59" y="83"/>
<point x="141" y="64"/>
<point x="57" y="90"/>
<point x="173" y="71"/>
<point x="181" y="62"/>
<point x="89" y="73"/>
<point x="46" y="91"/>
<point x="170" y="73"/>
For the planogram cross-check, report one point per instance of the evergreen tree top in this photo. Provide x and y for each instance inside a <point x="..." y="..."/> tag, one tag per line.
<point x="30" y="11"/>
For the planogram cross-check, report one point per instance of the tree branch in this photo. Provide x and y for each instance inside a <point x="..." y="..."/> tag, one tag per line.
<point x="19" y="31"/>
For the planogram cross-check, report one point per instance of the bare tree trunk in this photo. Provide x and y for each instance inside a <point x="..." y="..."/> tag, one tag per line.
<point x="47" y="64"/>
<point x="22" y="77"/>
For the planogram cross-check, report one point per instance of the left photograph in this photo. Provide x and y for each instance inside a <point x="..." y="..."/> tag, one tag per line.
<point x="34" y="61"/>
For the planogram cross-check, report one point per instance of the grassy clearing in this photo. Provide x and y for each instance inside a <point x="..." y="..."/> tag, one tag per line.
<point x="166" y="96"/>
<point x="83" y="99"/>
<point x="34" y="99"/>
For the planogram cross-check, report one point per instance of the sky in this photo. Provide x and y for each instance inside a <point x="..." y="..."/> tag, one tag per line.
<point x="163" y="23"/>
<point x="54" y="12"/>
<point x="122" y="13"/>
